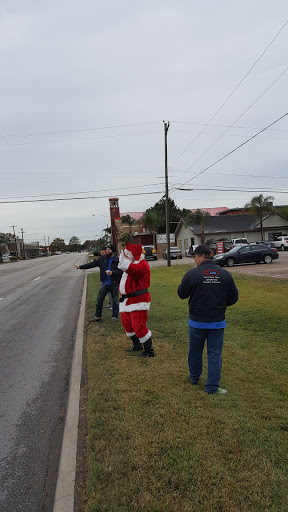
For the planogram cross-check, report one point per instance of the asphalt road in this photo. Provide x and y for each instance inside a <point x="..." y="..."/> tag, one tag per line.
<point x="39" y="306"/>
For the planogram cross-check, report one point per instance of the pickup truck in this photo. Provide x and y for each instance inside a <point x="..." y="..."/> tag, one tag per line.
<point x="281" y="243"/>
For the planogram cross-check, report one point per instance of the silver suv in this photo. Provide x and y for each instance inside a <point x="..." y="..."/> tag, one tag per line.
<point x="281" y="243"/>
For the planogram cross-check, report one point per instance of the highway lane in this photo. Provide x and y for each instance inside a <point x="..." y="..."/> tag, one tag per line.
<point x="38" y="318"/>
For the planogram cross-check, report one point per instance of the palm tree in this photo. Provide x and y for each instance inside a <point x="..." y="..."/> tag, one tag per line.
<point x="107" y="235"/>
<point x="259" y="205"/>
<point x="150" y="221"/>
<point x="127" y="219"/>
<point x="124" y="239"/>
<point x="198" y="218"/>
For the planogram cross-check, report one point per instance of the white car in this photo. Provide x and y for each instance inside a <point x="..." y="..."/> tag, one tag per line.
<point x="6" y="257"/>
<point x="281" y="243"/>
<point x="187" y="253"/>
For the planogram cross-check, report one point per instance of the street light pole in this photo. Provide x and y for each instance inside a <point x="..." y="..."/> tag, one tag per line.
<point x="166" y="128"/>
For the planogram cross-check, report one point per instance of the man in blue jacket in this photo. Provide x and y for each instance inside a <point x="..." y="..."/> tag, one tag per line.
<point x="210" y="289"/>
<point x="110" y="276"/>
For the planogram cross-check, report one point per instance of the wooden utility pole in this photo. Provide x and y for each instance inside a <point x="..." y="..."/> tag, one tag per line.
<point x="23" y="250"/>
<point x="16" y="250"/>
<point x="166" y="128"/>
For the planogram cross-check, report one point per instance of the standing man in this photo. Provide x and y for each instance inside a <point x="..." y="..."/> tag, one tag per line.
<point x="135" y="300"/>
<point x="210" y="290"/>
<point x="110" y="276"/>
<point x="110" y="301"/>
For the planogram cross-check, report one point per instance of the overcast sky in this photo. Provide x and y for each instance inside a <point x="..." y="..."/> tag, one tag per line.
<point x="85" y="87"/>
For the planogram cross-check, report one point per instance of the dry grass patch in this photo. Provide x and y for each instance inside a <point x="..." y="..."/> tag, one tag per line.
<point x="156" y="443"/>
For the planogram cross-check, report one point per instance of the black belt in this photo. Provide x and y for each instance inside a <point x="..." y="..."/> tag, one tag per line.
<point x="134" y="294"/>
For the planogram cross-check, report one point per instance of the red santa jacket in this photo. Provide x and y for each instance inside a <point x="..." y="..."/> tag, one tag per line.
<point x="136" y="277"/>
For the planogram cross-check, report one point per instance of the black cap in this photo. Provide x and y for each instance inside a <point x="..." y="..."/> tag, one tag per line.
<point x="112" y="247"/>
<point x="202" y="249"/>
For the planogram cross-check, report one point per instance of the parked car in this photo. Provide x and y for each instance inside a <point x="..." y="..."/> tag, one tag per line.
<point x="281" y="243"/>
<point x="5" y="257"/>
<point x="239" y="241"/>
<point x="251" y="253"/>
<point x="150" y="252"/>
<point x="267" y="243"/>
<point x="174" y="253"/>
<point x="188" y="252"/>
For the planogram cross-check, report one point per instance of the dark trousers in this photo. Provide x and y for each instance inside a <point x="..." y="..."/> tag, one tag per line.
<point x="105" y="288"/>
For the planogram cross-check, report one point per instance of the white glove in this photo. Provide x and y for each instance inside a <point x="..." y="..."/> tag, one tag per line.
<point x="123" y="262"/>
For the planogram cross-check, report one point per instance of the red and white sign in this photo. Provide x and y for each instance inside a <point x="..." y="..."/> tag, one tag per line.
<point x="220" y="248"/>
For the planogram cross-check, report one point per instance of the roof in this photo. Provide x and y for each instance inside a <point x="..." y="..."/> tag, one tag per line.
<point x="227" y="211"/>
<point x="227" y="224"/>
<point x="212" y="211"/>
<point x="134" y="215"/>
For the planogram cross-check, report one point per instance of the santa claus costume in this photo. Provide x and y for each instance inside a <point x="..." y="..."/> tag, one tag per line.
<point x="135" y="300"/>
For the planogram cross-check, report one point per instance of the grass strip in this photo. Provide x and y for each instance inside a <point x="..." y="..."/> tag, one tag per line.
<point x="156" y="443"/>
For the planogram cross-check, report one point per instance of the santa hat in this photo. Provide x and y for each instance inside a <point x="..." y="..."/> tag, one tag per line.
<point x="135" y="250"/>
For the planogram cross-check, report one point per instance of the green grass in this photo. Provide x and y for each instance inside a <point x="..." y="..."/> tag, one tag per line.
<point x="158" y="444"/>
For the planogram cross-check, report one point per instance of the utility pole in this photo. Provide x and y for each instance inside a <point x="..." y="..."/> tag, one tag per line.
<point x="15" y="240"/>
<point x="166" y="128"/>
<point x="23" y="250"/>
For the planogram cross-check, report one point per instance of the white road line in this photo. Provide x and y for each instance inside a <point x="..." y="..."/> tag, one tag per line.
<point x="1" y="298"/>
<point x="37" y="278"/>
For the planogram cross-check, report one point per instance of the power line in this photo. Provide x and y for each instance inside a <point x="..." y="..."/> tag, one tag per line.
<point x="277" y="191"/>
<point x="76" y="139"/>
<point x="78" y="198"/>
<point x="241" y="175"/>
<point x="235" y="149"/>
<point x="237" y="86"/>
<point x="103" y="172"/>
<point x="40" y="134"/>
<point x="224" y="134"/>
<point x="228" y="126"/>
<point x="248" y="175"/>
<point x="241" y="115"/>
<point x="82" y="192"/>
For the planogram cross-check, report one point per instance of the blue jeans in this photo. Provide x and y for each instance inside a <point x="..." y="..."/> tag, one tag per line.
<point x="197" y="339"/>
<point x="105" y="288"/>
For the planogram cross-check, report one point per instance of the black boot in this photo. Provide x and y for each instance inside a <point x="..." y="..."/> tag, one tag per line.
<point x="136" y="345"/>
<point x="148" y="349"/>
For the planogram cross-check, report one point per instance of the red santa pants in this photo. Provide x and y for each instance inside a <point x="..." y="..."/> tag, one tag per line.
<point x="135" y="323"/>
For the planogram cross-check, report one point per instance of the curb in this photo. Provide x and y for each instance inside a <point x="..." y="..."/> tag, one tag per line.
<point x="64" y="495"/>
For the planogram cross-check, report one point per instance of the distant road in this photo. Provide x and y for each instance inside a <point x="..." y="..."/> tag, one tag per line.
<point x="39" y="306"/>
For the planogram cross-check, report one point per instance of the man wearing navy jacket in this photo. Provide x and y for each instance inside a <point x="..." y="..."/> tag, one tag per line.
<point x="110" y="276"/>
<point x="210" y="289"/>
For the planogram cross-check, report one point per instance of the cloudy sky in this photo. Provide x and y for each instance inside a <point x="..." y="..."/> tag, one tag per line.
<point x="85" y="87"/>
